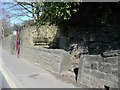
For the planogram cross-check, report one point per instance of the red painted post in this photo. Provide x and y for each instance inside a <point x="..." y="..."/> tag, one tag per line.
<point x="17" y="43"/>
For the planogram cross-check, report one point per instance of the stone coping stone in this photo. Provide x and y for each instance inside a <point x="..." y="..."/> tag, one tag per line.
<point x="112" y="53"/>
<point x="53" y="51"/>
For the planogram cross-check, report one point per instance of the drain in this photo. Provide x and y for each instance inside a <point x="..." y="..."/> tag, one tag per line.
<point x="76" y="73"/>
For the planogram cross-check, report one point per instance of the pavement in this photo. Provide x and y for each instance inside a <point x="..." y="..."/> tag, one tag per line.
<point x="19" y="73"/>
<point x="3" y="82"/>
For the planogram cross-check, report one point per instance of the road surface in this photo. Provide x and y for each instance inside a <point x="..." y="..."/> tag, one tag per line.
<point x="3" y="83"/>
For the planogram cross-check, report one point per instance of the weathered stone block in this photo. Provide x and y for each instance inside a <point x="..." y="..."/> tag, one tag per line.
<point x="105" y="68"/>
<point x="87" y="64"/>
<point x="56" y="52"/>
<point x="94" y="65"/>
<point x="55" y="62"/>
<point x="94" y="73"/>
<point x="87" y="82"/>
<point x="114" y="66"/>
<point x="82" y="85"/>
<point x="114" y="89"/>
<point x="94" y="81"/>
<point x="112" y="60"/>
<point x="65" y="62"/>
<point x="110" y="84"/>
<point x="81" y="68"/>
<point x="95" y="58"/>
<point x="112" y="53"/>
<point x="110" y="77"/>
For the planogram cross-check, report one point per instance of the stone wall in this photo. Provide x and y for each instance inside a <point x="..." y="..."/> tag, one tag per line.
<point x="93" y="40"/>
<point x="7" y="43"/>
<point x="95" y="71"/>
<point x="54" y="60"/>
<point x="51" y="32"/>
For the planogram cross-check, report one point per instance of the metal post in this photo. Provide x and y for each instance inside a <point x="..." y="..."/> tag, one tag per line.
<point x="17" y="43"/>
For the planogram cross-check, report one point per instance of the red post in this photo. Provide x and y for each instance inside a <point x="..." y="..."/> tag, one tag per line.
<point x="17" y="43"/>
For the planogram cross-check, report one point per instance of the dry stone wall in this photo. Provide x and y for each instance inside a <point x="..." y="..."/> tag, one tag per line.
<point x="96" y="71"/>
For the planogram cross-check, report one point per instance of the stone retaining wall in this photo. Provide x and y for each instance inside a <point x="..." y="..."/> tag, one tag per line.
<point x="7" y="43"/>
<point x="96" y="71"/>
<point x="54" y="60"/>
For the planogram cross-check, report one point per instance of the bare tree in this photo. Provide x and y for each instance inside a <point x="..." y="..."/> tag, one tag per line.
<point x="5" y="27"/>
<point x="34" y="9"/>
